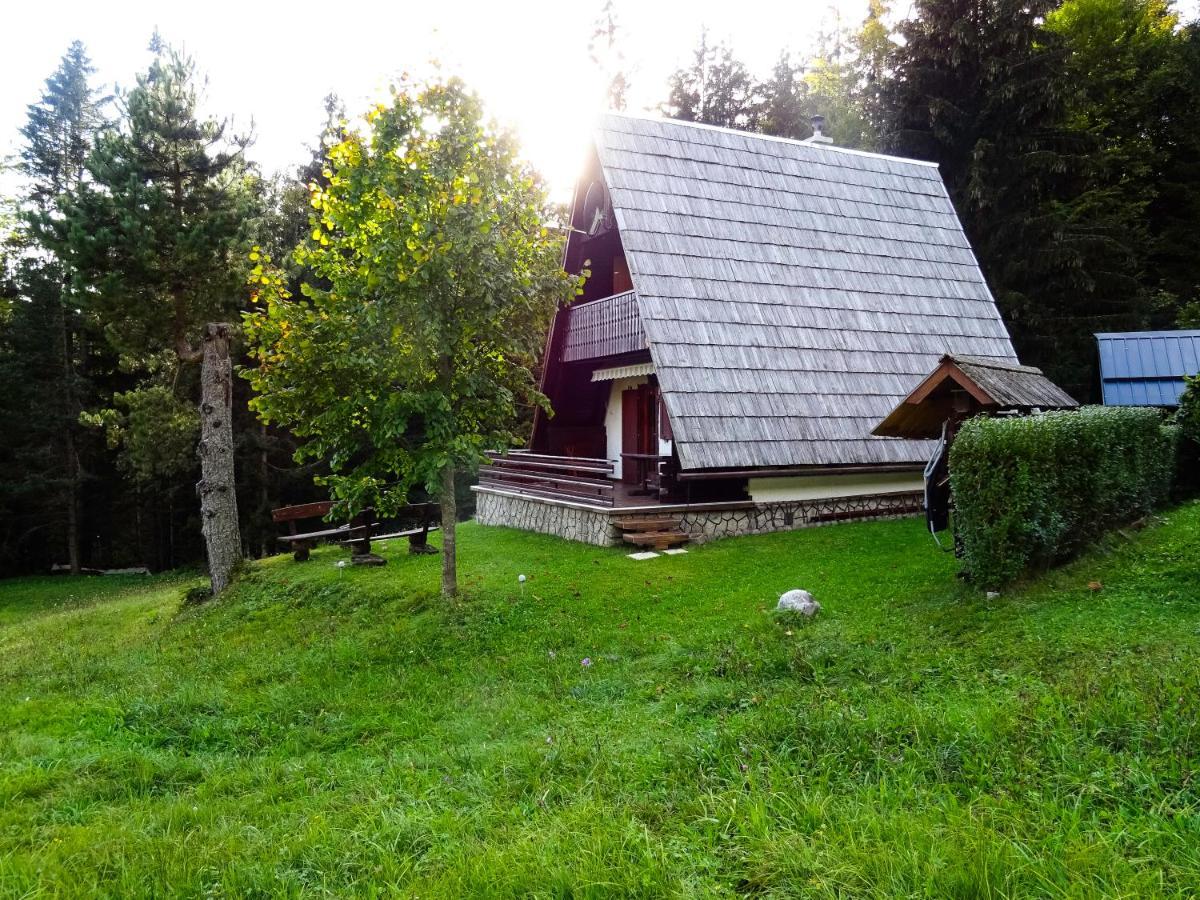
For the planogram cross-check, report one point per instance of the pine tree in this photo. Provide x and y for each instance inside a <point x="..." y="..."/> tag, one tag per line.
<point x="782" y="110"/>
<point x="840" y="80"/>
<point x="1137" y="100"/>
<point x="874" y="47"/>
<point x="831" y="79"/>
<point x="59" y="134"/>
<point x="159" y="239"/>
<point x="604" y="49"/>
<point x="1175" y="250"/>
<point x="981" y="88"/>
<point x="715" y="89"/>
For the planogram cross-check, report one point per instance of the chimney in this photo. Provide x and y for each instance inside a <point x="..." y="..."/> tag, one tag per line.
<point x="818" y="135"/>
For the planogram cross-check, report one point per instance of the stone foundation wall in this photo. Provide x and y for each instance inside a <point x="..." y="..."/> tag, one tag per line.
<point x="590" y="526"/>
<point x="789" y="515"/>
<point x="594" y="526"/>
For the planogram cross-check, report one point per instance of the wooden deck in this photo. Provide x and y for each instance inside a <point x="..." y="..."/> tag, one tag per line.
<point x="566" y="478"/>
<point x="628" y="495"/>
<point x="578" y="480"/>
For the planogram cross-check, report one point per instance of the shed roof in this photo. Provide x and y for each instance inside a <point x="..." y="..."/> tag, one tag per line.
<point x="1146" y="368"/>
<point x="791" y="294"/>
<point x="992" y="385"/>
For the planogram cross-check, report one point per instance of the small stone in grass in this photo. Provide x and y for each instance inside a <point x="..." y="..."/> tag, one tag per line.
<point x="798" y="601"/>
<point x="992" y="595"/>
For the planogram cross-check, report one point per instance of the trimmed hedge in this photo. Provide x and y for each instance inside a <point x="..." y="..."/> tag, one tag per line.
<point x="1031" y="491"/>
<point x="1187" y="477"/>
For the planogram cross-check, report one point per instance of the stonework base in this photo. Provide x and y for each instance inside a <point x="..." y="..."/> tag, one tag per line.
<point x="575" y="523"/>
<point x="704" y="522"/>
<point x="789" y="515"/>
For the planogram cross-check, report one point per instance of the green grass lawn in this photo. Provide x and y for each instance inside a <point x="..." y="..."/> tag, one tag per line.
<point x="325" y="731"/>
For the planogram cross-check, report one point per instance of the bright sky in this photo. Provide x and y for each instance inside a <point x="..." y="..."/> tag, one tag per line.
<point x="274" y="62"/>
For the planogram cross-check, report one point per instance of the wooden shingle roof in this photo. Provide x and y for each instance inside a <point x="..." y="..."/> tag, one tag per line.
<point x="791" y="294"/>
<point x="993" y="386"/>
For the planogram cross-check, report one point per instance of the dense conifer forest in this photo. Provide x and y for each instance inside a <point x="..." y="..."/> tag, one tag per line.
<point x="1067" y="134"/>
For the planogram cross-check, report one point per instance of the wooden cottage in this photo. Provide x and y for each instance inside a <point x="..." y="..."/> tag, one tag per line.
<point x="755" y="306"/>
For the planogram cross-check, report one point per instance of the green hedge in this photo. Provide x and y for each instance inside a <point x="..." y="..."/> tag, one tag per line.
<point x="1033" y="490"/>
<point x="1187" y="476"/>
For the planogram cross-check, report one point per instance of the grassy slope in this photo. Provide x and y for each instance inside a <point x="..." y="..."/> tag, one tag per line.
<point x="324" y="730"/>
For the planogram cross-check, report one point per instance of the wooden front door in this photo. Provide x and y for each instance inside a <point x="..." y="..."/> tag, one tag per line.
<point x="639" y="432"/>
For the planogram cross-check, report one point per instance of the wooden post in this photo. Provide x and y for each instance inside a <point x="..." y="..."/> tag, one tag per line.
<point x="419" y="542"/>
<point x="216" y="488"/>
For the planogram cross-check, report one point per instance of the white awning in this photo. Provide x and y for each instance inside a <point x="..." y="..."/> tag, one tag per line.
<point x="616" y="372"/>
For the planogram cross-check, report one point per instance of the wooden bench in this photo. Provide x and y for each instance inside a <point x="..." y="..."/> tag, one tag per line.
<point x="302" y="543"/>
<point x="417" y="520"/>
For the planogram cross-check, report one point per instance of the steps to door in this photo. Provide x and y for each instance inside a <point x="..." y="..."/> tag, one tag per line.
<point x="657" y="533"/>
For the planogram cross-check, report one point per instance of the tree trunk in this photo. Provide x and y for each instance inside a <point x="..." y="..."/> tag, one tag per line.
<point x="218" y="499"/>
<point x="449" y="520"/>
<point x="266" y="545"/>
<point x="70" y="452"/>
<point x="72" y="501"/>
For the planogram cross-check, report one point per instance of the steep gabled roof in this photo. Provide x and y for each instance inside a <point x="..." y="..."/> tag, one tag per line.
<point x="992" y="386"/>
<point x="1146" y="368"/>
<point x="791" y="294"/>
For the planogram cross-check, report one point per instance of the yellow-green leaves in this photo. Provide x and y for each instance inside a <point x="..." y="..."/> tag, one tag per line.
<point x="433" y="280"/>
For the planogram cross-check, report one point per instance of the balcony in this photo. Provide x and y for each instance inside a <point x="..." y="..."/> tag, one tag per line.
<point x="607" y="327"/>
<point x="574" y="479"/>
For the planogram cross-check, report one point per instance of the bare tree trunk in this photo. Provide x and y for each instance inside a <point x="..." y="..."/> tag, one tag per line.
<point x="72" y="501"/>
<point x="70" y="414"/>
<point x="449" y="520"/>
<point x="218" y="499"/>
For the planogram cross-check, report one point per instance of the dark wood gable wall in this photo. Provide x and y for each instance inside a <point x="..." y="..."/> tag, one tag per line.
<point x="576" y="427"/>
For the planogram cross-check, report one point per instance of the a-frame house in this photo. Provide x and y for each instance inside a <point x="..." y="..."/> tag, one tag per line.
<point x="755" y="307"/>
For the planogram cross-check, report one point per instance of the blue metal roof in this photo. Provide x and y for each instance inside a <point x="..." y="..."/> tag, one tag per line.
<point x="1146" y="368"/>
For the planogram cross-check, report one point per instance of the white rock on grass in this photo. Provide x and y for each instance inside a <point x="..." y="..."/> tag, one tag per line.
<point x="798" y="601"/>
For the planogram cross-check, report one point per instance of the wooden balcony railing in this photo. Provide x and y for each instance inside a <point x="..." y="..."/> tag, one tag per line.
<point x="578" y="479"/>
<point x="606" y="327"/>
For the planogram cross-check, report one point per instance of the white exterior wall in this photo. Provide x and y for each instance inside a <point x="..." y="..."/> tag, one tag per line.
<point x="612" y="422"/>
<point x="823" y="487"/>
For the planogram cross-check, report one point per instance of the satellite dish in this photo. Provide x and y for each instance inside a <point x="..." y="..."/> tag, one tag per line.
<point x="597" y="211"/>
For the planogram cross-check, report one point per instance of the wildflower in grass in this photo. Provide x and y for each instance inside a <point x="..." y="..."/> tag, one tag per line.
<point x="586" y="662"/>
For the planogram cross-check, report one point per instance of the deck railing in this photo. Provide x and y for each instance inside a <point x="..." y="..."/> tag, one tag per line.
<point x="573" y="478"/>
<point x="606" y="327"/>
